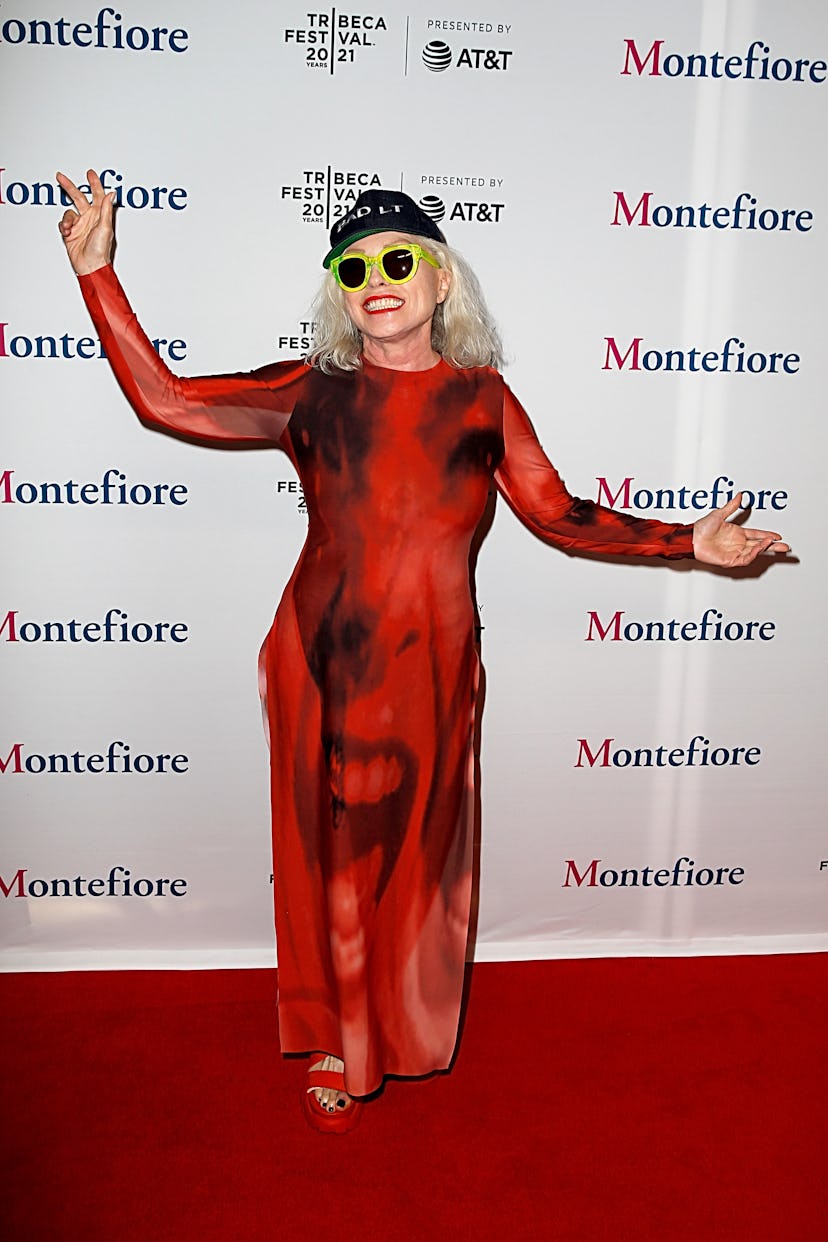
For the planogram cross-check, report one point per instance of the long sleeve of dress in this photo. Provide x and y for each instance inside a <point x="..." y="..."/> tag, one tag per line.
<point x="537" y="494"/>
<point x="251" y="408"/>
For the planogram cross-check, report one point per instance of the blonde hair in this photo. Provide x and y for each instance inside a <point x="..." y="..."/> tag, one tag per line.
<point x="462" y="330"/>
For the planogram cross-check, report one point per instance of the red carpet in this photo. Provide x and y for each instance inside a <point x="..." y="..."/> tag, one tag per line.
<point x="621" y="1100"/>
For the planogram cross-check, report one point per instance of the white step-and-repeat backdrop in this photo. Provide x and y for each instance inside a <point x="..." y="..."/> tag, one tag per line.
<point x="641" y="187"/>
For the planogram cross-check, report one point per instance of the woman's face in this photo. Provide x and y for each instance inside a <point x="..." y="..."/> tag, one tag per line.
<point x="393" y="313"/>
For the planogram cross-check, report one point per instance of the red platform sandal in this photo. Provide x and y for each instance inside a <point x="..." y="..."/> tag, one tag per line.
<point x="341" y="1120"/>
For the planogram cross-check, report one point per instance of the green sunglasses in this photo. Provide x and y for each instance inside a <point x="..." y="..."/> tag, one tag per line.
<point x="397" y="264"/>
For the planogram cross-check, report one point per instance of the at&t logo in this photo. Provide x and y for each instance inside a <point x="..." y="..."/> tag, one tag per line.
<point x="476" y="205"/>
<point x="438" y="56"/>
<point x="468" y="209"/>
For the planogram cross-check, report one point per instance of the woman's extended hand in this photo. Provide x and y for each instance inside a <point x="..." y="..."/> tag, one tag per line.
<point x="719" y="542"/>
<point x="88" y="232"/>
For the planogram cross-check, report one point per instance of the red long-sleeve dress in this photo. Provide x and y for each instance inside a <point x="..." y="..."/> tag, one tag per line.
<point x="370" y="668"/>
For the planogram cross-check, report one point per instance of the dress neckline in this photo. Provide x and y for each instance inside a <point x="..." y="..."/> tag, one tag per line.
<point x="373" y="369"/>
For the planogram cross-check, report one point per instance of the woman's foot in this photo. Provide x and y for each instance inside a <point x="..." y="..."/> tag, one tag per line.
<point x="326" y="1103"/>
<point x="332" y="1100"/>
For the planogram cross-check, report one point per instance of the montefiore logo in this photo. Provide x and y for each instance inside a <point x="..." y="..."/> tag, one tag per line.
<point x="115" y="627"/>
<point x="325" y="194"/>
<point x="758" y="64"/>
<point x="113" y="489"/>
<point x="697" y="499"/>
<point x="438" y="56"/>
<point x="47" y="193"/>
<point x="109" y="30"/>
<point x="332" y="39"/>
<point x="684" y="873"/>
<point x="711" y="627"/>
<point x="477" y="207"/>
<point x="119" y="883"/>
<point x="66" y="346"/>
<point x="697" y="754"/>
<point x="730" y="359"/>
<point x="116" y="760"/>
<point x="745" y="215"/>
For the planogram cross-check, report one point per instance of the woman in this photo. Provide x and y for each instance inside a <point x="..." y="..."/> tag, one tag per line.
<point x="397" y="424"/>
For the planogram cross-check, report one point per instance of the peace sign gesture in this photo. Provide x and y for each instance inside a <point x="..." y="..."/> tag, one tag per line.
<point x="87" y="232"/>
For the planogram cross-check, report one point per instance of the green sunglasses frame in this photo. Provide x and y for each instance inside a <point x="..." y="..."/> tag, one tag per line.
<point x="376" y="260"/>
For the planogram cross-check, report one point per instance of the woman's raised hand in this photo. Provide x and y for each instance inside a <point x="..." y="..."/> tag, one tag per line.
<point x="88" y="232"/>
<point x="719" y="542"/>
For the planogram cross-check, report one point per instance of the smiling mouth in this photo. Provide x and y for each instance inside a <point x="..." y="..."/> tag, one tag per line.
<point x="369" y="782"/>
<point x="373" y="785"/>
<point x="375" y="306"/>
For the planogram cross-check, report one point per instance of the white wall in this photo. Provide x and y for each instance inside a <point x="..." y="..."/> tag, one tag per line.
<point x="527" y="151"/>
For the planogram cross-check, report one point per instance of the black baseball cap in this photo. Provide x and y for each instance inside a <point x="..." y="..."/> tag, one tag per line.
<point x="380" y="211"/>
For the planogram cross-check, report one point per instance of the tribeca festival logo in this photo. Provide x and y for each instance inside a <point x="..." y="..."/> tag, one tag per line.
<point x="732" y="358"/>
<point x="14" y="344"/>
<point x="333" y="39"/>
<point x="758" y="64"/>
<point x="477" y="53"/>
<point x="120" y="882"/>
<point x="472" y="198"/>
<point x="684" y="873"/>
<point x="47" y="193"/>
<point x="116" y="626"/>
<point x="109" y="31"/>
<point x="696" y="754"/>
<point x="117" y="760"/>
<point x="114" y="488"/>
<point x="745" y="215"/>
<point x="299" y="339"/>
<point x="686" y="497"/>
<point x="292" y="489"/>
<point x="322" y="195"/>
